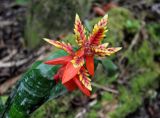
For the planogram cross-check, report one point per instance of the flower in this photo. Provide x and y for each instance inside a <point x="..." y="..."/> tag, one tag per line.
<point x="92" y="44"/>
<point x="73" y="72"/>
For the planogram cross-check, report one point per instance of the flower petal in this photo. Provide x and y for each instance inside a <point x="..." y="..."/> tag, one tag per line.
<point x="103" y="21"/>
<point x="104" y="45"/>
<point x="59" y="73"/>
<point x="102" y="51"/>
<point x="90" y="64"/>
<point x="70" y="85"/>
<point x="80" y="52"/>
<point x="77" y="61"/>
<point x="64" y="46"/>
<point x="83" y="77"/>
<point x="60" y="60"/>
<point x="69" y="72"/>
<point x="99" y="31"/>
<point x="112" y="50"/>
<point x="79" y="31"/>
<point x="81" y="87"/>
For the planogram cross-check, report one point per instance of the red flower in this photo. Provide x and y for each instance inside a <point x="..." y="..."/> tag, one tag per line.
<point x="73" y="73"/>
<point x="80" y="80"/>
<point x="92" y="44"/>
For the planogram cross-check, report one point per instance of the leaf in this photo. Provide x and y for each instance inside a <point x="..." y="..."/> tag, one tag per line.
<point x="96" y="62"/>
<point x="1" y="106"/>
<point x="109" y="66"/>
<point x="88" y="25"/>
<point x="34" y="89"/>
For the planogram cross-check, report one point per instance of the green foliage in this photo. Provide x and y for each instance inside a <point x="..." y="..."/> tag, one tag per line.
<point x="34" y="89"/>
<point x="143" y="56"/>
<point x="109" y="66"/>
<point x="58" y="108"/>
<point x="70" y="38"/>
<point x="142" y="82"/>
<point x="100" y="76"/>
<point x="1" y="106"/>
<point x="132" y="25"/>
<point x="92" y="114"/>
<point x="107" y="96"/>
<point x="117" y="20"/>
<point x="130" y="99"/>
<point x="154" y="35"/>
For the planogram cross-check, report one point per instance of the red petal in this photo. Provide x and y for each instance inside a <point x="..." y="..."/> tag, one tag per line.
<point x="58" y="75"/>
<point x="60" y="60"/>
<point x="80" y="53"/>
<point x="81" y="87"/>
<point x="70" y="85"/>
<point x="70" y="72"/>
<point x="90" y="64"/>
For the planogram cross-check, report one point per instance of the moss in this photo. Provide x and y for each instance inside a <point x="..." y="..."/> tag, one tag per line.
<point x="130" y="99"/>
<point x="107" y="96"/>
<point x="126" y="108"/>
<point x="154" y="35"/>
<point x="117" y="21"/>
<point x="58" y="108"/>
<point x="92" y="114"/>
<point x="142" y="57"/>
<point x="143" y="82"/>
<point x="131" y="96"/>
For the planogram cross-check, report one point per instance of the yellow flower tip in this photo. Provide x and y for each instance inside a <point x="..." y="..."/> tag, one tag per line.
<point x="105" y="16"/>
<point x="105" y="44"/>
<point x="77" y="17"/>
<point x="118" y="48"/>
<point x="47" y="40"/>
<point x="75" y="64"/>
<point x="90" y="88"/>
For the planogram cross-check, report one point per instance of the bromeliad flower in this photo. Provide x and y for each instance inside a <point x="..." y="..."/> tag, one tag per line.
<point x="92" y="45"/>
<point x="73" y="73"/>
